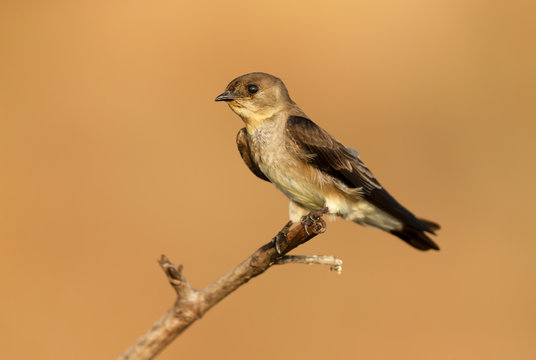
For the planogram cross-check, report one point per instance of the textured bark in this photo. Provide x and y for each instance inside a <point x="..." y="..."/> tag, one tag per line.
<point x="191" y="304"/>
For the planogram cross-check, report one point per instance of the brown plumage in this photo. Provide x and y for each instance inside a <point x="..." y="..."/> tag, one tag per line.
<point x="281" y="145"/>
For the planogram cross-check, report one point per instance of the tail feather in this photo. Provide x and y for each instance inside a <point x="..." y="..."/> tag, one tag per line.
<point x="399" y="223"/>
<point x="431" y="225"/>
<point x="416" y="237"/>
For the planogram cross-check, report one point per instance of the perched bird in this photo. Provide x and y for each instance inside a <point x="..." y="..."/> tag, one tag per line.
<point x="280" y="144"/>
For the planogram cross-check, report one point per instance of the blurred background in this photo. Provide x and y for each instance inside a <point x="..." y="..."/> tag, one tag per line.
<point x="113" y="152"/>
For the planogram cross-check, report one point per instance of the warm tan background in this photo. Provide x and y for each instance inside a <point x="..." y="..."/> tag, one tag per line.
<point x="112" y="152"/>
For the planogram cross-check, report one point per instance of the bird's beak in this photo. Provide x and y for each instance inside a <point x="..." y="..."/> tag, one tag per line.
<point x="226" y="96"/>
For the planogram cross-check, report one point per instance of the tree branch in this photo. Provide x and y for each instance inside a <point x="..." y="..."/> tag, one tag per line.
<point x="191" y="304"/>
<point x="334" y="263"/>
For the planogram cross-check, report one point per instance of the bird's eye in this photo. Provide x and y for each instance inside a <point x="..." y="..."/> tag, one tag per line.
<point x="252" y="89"/>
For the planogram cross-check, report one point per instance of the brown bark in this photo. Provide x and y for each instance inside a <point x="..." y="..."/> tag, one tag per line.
<point x="191" y="304"/>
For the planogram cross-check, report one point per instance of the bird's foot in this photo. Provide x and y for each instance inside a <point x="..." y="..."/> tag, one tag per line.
<point x="280" y="237"/>
<point x="313" y="221"/>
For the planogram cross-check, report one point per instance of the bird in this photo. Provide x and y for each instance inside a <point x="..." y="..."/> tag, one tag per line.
<point x="282" y="145"/>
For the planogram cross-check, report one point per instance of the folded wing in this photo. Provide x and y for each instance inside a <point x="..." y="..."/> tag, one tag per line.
<point x="328" y="155"/>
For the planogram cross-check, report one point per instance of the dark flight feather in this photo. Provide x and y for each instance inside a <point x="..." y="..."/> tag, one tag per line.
<point x="328" y="155"/>
<point x="243" y="148"/>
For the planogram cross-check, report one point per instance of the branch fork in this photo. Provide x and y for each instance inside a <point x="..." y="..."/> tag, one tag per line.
<point x="191" y="304"/>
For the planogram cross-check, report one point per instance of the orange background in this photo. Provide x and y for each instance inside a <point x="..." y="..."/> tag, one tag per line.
<point x="114" y="152"/>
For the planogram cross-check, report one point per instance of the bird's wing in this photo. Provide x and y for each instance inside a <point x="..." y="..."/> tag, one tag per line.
<point x="243" y="148"/>
<point x="325" y="153"/>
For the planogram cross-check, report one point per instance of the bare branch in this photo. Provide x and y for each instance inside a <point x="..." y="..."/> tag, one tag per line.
<point x="175" y="277"/>
<point x="191" y="304"/>
<point x="334" y="263"/>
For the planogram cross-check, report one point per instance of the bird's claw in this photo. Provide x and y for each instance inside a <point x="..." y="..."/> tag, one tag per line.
<point x="281" y="236"/>
<point x="314" y="222"/>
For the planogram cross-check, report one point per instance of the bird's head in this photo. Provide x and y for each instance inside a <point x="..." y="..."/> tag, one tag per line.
<point x="256" y="96"/>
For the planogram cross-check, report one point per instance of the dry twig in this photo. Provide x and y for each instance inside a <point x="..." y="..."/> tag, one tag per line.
<point x="191" y="304"/>
<point x="334" y="263"/>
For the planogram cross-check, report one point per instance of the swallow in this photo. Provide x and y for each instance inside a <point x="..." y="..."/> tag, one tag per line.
<point x="281" y="145"/>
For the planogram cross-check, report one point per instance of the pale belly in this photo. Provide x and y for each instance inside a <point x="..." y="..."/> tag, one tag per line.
<point x="294" y="182"/>
<point x="305" y="185"/>
<point x="308" y="187"/>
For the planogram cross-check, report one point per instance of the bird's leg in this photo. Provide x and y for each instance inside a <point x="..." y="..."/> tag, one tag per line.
<point x="281" y="236"/>
<point x="314" y="222"/>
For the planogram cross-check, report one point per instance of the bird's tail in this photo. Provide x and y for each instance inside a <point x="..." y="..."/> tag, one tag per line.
<point x="400" y="223"/>
<point x="430" y="224"/>
<point x="417" y="237"/>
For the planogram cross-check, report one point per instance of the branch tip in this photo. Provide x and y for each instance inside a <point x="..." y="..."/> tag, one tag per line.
<point x="175" y="276"/>
<point x="335" y="264"/>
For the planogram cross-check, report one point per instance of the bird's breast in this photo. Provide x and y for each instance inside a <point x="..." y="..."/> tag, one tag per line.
<point x="298" y="180"/>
